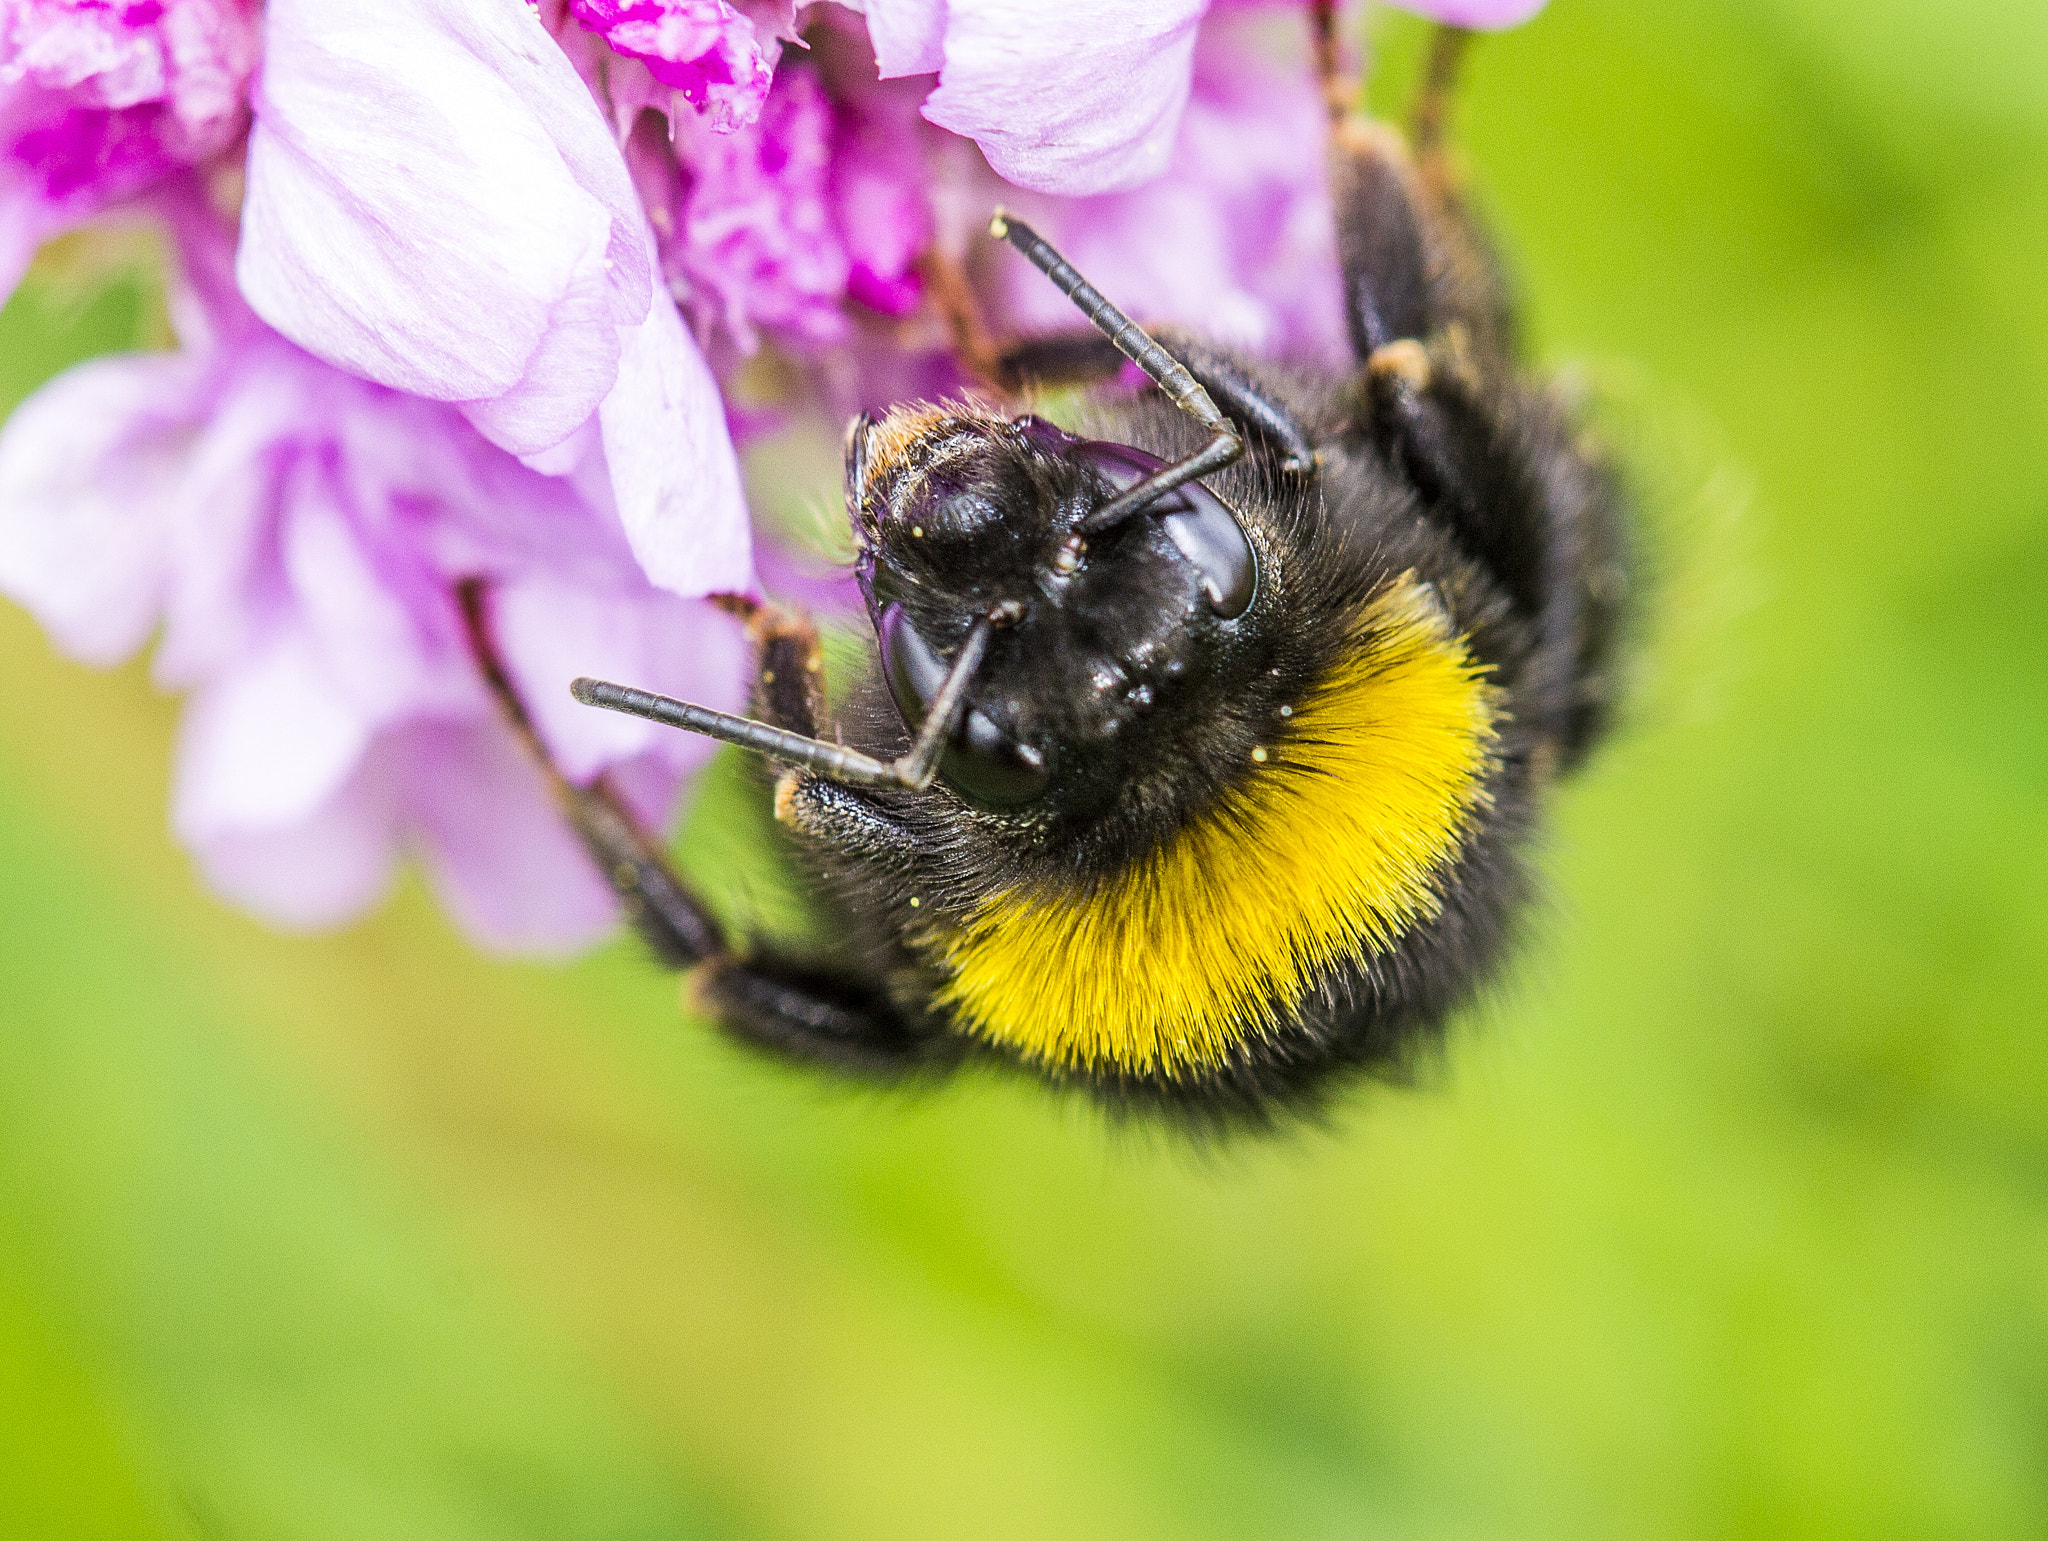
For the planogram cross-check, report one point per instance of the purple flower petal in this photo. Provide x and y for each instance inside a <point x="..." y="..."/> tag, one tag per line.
<point x="435" y="203"/>
<point x="266" y="744"/>
<point x="550" y="632"/>
<point x="99" y="100"/>
<point x="909" y="35"/>
<point x="754" y="242"/>
<point x="704" y="50"/>
<point x="1253" y="258"/>
<point x="303" y="534"/>
<point x="323" y="869"/>
<point x="379" y="620"/>
<point x="502" y="858"/>
<point x="672" y="465"/>
<point x="87" y="467"/>
<point x="1481" y="15"/>
<point x="1064" y="96"/>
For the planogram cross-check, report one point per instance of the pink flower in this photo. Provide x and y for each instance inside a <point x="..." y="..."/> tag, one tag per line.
<point x="750" y="239"/>
<point x="469" y="225"/>
<point x="686" y="59"/>
<point x="298" y="535"/>
<point x="1073" y="96"/>
<point x="100" y="98"/>
<point x="1065" y="96"/>
<point x="702" y="49"/>
<point x="1480" y="15"/>
<point x="1235" y="239"/>
<point x="773" y="226"/>
<point x="436" y="204"/>
<point x="881" y="193"/>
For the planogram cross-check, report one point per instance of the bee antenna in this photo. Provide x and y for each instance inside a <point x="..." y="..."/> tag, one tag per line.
<point x="1162" y="368"/>
<point x="914" y="770"/>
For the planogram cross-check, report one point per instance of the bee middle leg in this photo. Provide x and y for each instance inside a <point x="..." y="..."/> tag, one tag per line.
<point x="1431" y="327"/>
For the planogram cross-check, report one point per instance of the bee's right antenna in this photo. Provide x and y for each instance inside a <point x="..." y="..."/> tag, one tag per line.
<point x="1225" y="446"/>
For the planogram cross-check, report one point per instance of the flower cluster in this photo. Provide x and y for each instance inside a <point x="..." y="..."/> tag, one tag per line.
<point x="457" y="284"/>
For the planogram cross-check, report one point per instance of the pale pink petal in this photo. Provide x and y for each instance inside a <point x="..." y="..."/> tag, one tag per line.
<point x="1481" y="15"/>
<point x="435" y="203"/>
<point x="672" y="465"/>
<point x="327" y="867"/>
<point x="909" y="35"/>
<point x="564" y="458"/>
<point x="651" y="788"/>
<point x="223" y="578"/>
<point x="380" y="623"/>
<point x="1253" y="258"/>
<point x="551" y="632"/>
<point x="265" y="745"/>
<point x="572" y="367"/>
<point x="501" y="856"/>
<point x="1080" y="96"/>
<point x="88" y="467"/>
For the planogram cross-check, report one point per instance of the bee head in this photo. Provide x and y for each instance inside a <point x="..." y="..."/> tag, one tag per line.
<point x="1108" y="635"/>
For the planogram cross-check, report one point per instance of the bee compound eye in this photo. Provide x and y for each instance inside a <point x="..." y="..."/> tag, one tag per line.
<point x="911" y="669"/>
<point x="986" y="766"/>
<point x="1215" y="545"/>
<point x="1200" y="525"/>
<point x="982" y="762"/>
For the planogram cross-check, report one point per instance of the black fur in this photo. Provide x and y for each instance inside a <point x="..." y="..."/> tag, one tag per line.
<point x="1148" y="702"/>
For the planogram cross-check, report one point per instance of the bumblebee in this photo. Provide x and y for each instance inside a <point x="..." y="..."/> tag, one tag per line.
<point x="1203" y="736"/>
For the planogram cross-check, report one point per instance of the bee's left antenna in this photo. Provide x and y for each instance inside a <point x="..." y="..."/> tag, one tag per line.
<point x="914" y="770"/>
<point x="1225" y="446"/>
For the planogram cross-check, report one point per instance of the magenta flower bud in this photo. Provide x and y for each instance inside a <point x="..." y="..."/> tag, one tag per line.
<point x="702" y="49"/>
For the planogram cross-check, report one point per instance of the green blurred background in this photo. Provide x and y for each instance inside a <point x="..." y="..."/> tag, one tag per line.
<point x="1729" y="1217"/>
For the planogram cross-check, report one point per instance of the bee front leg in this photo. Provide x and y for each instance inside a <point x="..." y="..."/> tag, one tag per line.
<point x="789" y="677"/>
<point x="840" y="1018"/>
<point x="838" y="1015"/>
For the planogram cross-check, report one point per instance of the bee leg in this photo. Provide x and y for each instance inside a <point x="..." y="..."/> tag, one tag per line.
<point x="1431" y="324"/>
<point x="1431" y="114"/>
<point x="1426" y="322"/>
<point x="795" y="1008"/>
<point x="844" y="1018"/>
<point x="1382" y="242"/>
<point x="789" y="677"/>
<point x="1417" y="266"/>
<point x="814" y="1012"/>
<point x="840" y="1018"/>
<point x="1339" y="85"/>
<point x="676" y="926"/>
<point x="1077" y="358"/>
<point x="834" y="1018"/>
